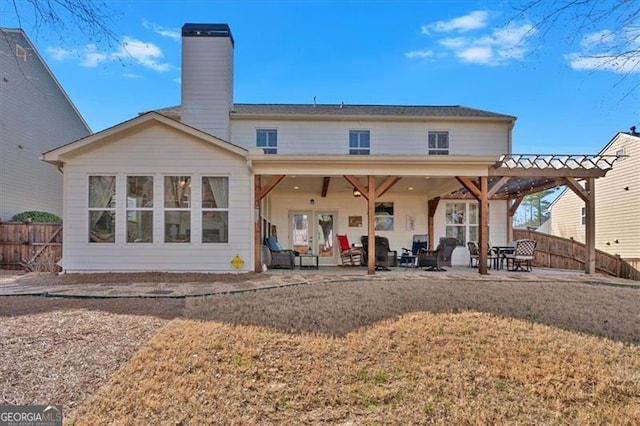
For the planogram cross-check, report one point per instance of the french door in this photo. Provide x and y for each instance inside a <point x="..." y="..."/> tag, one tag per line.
<point x="313" y="232"/>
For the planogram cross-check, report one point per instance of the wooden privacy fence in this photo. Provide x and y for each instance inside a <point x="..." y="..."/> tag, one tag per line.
<point x="30" y="246"/>
<point x="564" y="253"/>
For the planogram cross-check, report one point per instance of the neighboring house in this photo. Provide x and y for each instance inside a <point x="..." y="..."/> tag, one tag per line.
<point x="198" y="187"/>
<point x="617" y="203"/>
<point x="36" y="115"/>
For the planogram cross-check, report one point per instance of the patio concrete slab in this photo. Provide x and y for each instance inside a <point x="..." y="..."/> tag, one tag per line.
<point x="17" y="284"/>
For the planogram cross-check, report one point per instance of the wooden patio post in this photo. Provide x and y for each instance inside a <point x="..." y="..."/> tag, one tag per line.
<point x="483" y="200"/>
<point x="590" y="228"/>
<point x="371" y="225"/>
<point x="257" y="230"/>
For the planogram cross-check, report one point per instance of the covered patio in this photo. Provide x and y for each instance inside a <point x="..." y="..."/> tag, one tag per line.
<point x="432" y="179"/>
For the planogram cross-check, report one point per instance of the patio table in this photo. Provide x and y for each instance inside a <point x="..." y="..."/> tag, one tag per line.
<point x="501" y="251"/>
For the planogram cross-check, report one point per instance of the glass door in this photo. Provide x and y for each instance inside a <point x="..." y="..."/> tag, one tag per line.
<point x="301" y="233"/>
<point x="326" y="238"/>
<point x="314" y="233"/>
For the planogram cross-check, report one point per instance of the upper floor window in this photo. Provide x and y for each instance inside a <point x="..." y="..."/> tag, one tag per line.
<point x="359" y="142"/>
<point x="620" y="154"/>
<point x="438" y="143"/>
<point x="267" y="139"/>
<point x="583" y="215"/>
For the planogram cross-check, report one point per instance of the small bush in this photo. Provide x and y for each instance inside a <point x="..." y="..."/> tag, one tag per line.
<point x="36" y="217"/>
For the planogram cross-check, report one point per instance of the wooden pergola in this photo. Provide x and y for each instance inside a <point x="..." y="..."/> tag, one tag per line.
<point x="511" y="178"/>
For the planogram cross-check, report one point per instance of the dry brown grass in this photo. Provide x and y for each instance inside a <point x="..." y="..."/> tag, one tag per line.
<point x="465" y="368"/>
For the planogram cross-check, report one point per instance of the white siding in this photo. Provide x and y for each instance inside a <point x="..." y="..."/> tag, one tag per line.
<point x="388" y="137"/>
<point x="207" y="84"/>
<point x="157" y="150"/>
<point x="404" y="205"/>
<point x="35" y="116"/>
<point x="617" y="209"/>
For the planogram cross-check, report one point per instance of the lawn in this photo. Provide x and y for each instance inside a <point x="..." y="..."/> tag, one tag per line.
<point x="410" y="351"/>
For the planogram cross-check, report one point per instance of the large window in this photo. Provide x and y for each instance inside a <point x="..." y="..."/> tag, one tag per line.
<point x="215" y="209"/>
<point x="359" y="142"/>
<point x="139" y="209"/>
<point x="384" y="216"/>
<point x="102" y="209"/>
<point x="438" y="143"/>
<point x="462" y="222"/>
<point x="177" y="213"/>
<point x="267" y="139"/>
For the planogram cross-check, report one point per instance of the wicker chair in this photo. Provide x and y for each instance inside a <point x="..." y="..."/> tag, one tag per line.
<point x="434" y="260"/>
<point x="280" y="257"/>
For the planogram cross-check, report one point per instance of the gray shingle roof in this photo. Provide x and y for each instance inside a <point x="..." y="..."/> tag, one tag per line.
<point x="426" y="111"/>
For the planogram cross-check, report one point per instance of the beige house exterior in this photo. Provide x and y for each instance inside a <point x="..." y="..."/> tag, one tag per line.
<point x="617" y="203"/>
<point x="199" y="186"/>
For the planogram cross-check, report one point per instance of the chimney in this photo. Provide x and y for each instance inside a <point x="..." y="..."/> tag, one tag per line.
<point x="207" y="78"/>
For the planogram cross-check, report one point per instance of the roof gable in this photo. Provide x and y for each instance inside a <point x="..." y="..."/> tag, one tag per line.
<point x="54" y="156"/>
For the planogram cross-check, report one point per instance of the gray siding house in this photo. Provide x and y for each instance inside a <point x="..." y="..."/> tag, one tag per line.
<point x="36" y="115"/>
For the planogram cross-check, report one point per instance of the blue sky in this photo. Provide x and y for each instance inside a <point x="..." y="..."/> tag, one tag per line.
<point x="410" y="53"/>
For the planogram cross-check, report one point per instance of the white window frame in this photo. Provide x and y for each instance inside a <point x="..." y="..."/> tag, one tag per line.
<point x="270" y="146"/>
<point x="136" y="209"/>
<point x="188" y="179"/>
<point x="359" y="148"/>
<point x="439" y="145"/>
<point x="469" y="221"/>
<point x="583" y="215"/>
<point x="204" y="210"/>
<point x="111" y="209"/>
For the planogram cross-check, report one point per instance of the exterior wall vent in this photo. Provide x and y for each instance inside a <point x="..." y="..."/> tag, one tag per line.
<point x="21" y="52"/>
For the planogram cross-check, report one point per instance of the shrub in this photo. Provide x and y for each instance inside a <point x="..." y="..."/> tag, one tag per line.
<point x="37" y="217"/>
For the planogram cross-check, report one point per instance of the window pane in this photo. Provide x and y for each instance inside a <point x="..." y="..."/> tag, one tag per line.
<point x="139" y="226"/>
<point x="455" y="213"/>
<point x="177" y="191"/>
<point x="473" y="215"/>
<point x="139" y="191"/>
<point x="457" y="232"/>
<point x="215" y="227"/>
<point x="261" y="138"/>
<point x="473" y="233"/>
<point x="102" y="226"/>
<point x="102" y="191"/>
<point x="215" y="192"/>
<point x="177" y="226"/>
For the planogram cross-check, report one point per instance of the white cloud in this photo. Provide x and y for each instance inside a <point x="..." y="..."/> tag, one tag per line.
<point x="419" y="54"/>
<point x="144" y="53"/>
<point x="164" y="32"/>
<point x="477" y="55"/>
<point x="608" y="51"/>
<point x="92" y="57"/>
<point x="60" y="53"/>
<point x="496" y="48"/>
<point x="472" y="21"/>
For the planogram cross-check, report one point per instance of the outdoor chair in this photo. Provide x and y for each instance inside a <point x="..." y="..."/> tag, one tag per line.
<point x="522" y="255"/>
<point x="385" y="257"/>
<point x="349" y="256"/>
<point x="434" y="260"/>
<point x="474" y="254"/>
<point x="409" y="257"/>
<point x="280" y="257"/>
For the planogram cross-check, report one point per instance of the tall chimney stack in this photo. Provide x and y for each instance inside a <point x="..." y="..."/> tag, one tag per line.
<point x="207" y="78"/>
